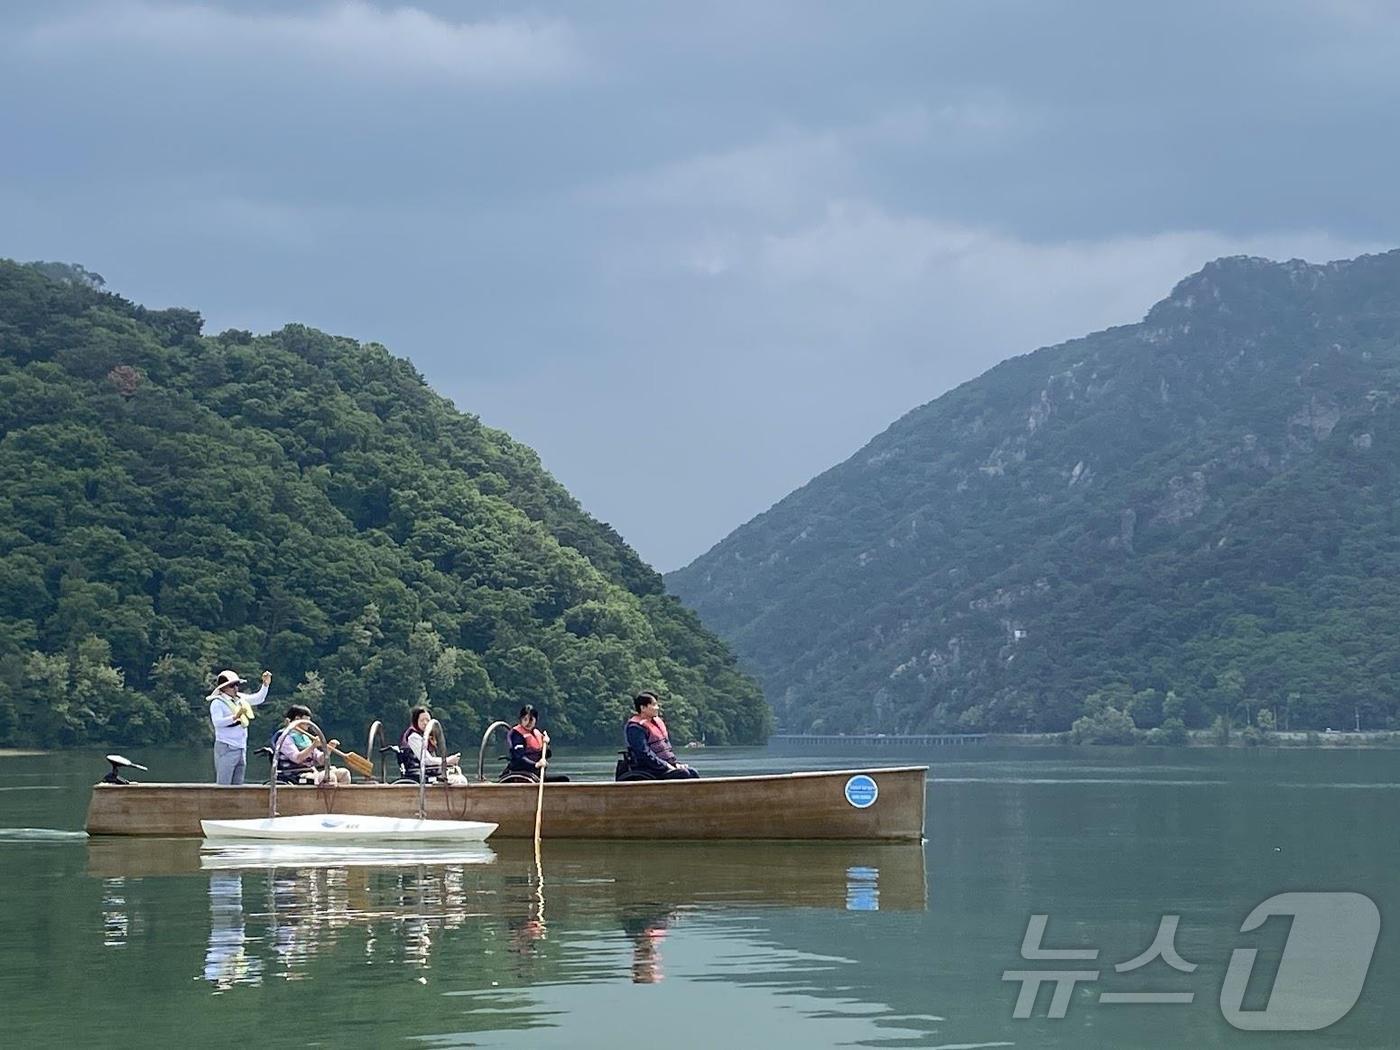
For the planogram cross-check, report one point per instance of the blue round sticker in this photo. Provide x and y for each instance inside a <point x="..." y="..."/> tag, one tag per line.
<point x="862" y="791"/>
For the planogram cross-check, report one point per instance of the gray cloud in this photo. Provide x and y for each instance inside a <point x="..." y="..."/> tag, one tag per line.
<point x="355" y="37"/>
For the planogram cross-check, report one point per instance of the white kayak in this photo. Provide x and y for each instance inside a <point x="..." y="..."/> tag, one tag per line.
<point x="348" y="827"/>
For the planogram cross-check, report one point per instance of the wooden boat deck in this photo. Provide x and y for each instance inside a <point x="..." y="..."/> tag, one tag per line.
<point x="808" y="805"/>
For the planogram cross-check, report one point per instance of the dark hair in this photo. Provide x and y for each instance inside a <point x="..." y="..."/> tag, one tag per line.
<point x="413" y="716"/>
<point x="297" y="711"/>
<point x="642" y="699"/>
<point x="529" y="709"/>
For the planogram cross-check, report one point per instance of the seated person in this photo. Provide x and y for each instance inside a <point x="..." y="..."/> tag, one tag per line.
<point x="649" y="744"/>
<point x="413" y="754"/>
<point x="529" y="748"/>
<point x="299" y="759"/>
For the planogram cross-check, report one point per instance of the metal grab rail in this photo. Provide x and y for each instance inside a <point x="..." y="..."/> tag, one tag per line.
<point x="376" y="728"/>
<point x="277" y="750"/>
<point x="433" y="724"/>
<point x="481" y="755"/>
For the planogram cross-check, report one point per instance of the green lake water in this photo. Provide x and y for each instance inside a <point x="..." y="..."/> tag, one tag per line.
<point x="128" y="942"/>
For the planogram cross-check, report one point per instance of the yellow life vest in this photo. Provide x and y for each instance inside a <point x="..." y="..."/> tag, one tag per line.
<point x="239" y="710"/>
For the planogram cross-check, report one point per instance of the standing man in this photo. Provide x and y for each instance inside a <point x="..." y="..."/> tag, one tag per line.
<point x="649" y="742"/>
<point x="230" y="712"/>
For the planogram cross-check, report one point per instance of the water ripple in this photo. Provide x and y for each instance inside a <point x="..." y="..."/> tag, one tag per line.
<point x="40" y="835"/>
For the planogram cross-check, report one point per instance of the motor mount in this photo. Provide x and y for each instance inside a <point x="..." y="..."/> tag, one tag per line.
<point x="120" y="762"/>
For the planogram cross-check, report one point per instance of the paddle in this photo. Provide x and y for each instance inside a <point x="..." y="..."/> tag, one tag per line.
<point x="358" y="763"/>
<point x="539" y="798"/>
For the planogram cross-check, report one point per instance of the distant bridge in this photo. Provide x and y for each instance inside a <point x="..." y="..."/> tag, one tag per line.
<point x="862" y="741"/>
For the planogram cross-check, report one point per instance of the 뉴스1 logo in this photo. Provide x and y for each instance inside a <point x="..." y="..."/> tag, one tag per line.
<point x="1320" y="974"/>
<point x="1324" y="965"/>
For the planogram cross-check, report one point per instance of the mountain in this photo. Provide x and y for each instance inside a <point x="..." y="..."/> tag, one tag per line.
<point x="173" y="503"/>
<point x="1200" y="511"/>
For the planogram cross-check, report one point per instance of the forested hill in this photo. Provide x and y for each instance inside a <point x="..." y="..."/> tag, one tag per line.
<point x="1205" y="504"/>
<point x="173" y="503"/>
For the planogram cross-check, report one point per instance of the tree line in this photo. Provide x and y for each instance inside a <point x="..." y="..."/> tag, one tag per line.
<point x="174" y="503"/>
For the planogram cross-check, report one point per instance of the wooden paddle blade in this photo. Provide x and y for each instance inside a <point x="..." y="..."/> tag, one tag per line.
<point x="358" y="763"/>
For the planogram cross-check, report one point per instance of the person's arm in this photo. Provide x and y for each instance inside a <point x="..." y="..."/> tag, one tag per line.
<point x="289" y="751"/>
<point x="254" y="699"/>
<point x="219" y="715"/>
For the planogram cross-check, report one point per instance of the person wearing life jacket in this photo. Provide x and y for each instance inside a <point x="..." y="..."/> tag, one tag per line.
<point x="414" y="752"/>
<point x="529" y="748"/>
<point x="649" y="743"/>
<point x="299" y="759"/>
<point x="229" y="713"/>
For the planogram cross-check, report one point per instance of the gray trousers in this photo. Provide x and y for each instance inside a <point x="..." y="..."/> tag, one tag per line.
<point x="229" y="763"/>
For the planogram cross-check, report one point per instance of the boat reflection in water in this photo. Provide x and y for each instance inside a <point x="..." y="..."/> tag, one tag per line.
<point x="279" y="910"/>
<point x="250" y="856"/>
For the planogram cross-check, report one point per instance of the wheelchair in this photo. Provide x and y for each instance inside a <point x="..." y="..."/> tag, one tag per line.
<point x="519" y="776"/>
<point x="409" y="766"/>
<point x="301" y="777"/>
<point x="627" y="769"/>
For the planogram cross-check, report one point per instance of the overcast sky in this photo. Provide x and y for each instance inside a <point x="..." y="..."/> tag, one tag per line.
<point x="693" y="253"/>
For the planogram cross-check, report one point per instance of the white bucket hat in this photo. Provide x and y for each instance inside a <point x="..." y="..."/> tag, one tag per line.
<point x="227" y="678"/>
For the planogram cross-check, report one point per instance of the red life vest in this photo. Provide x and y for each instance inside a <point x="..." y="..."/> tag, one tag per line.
<point x="534" y="742"/>
<point x="657" y="736"/>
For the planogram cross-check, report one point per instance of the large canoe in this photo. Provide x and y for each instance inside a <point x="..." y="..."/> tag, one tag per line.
<point x="854" y="804"/>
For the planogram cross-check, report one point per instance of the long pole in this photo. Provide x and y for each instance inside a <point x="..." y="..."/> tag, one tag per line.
<point x="539" y="796"/>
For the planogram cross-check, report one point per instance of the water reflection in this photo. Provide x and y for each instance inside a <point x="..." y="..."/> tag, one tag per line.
<point x="646" y="928"/>
<point x="528" y="932"/>
<point x="843" y="876"/>
<point x="116" y="925"/>
<point x="227" y="962"/>
<point x="253" y="855"/>
<point x="279" y="910"/>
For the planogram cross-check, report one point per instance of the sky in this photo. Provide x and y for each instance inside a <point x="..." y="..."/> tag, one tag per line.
<point x="693" y="254"/>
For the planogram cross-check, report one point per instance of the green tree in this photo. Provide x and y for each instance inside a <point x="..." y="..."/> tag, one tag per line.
<point x="1102" y="723"/>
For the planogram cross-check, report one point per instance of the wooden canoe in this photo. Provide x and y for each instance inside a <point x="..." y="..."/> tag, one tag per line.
<point x="839" y="804"/>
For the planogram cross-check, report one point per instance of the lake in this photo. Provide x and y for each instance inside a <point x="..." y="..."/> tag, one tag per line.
<point x="135" y="942"/>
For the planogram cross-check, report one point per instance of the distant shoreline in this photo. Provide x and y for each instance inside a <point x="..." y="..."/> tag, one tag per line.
<point x="1296" y="738"/>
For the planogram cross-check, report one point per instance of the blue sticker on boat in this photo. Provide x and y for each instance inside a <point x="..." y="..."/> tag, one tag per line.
<point x="330" y="822"/>
<point x="862" y="791"/>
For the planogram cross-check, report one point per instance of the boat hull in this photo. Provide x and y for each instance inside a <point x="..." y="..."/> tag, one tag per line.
<point x="345" y="828"/>
<point x="815" y="805"/>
